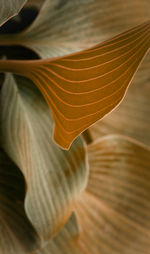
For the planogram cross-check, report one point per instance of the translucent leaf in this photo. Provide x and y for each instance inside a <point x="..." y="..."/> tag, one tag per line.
<point x="114" y="211"/>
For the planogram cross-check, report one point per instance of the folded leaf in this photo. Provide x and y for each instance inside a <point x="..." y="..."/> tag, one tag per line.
<point x="17" y="235"/>
<point x="9" y="9"/>
<point x="131" y="118"/>
<point x="82" y="88"/>
<point x="54" y="177"/>
<point x="114" y="211"/>
<point x="64" y="27"/>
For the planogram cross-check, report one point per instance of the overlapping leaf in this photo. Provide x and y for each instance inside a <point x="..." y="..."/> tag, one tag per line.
<point x="114" y="212"/>
<point x="67" y="26"/>
<point x="82" y="88"/>
<point x="131" y="118"/>
<point x="9" y="8"/>
<point x="54" y="177"/>
<point x="17" y="235"/>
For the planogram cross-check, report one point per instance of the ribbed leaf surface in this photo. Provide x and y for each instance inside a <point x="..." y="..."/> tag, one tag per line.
<point x="82" y="88"/>
<point x="114" y="211"/>
<point x="131" y="118"/>
<point x="54" y="177"/>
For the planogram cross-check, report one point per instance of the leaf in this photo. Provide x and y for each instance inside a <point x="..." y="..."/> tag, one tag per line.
<point x="36" y="4"/>
<point x="9" y="9"/>
<point x="54" y="177"/>
<point x="82" y="88"/>
<point x="131" y="118"/>
<point x="17" y="235"/>
<point x="65" y="242"/>
<point x="64" y="27"/>
<point x="114" y="211"/>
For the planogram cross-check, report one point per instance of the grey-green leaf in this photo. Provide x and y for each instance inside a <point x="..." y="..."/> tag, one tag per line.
<point x="17" y="235"/>
<point x="54" y="177"/>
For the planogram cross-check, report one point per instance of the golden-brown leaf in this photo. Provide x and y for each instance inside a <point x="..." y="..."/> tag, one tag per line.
<point x="131" y="118"/>
<point x="82" y="88"/>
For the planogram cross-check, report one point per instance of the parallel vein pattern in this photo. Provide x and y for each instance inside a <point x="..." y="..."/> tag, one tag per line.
<point x="54" y="177"/>
<point x="82" y="88"/>
<point x="131" y="117"/>
<point x="114" y="211"/>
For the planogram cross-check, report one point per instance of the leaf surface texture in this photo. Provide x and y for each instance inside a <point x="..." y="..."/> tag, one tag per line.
<point x="131" y="118"/>
<point x="54" y="177"/>
<point x="83" y="87"/>
<point x="17" y="235"/>
<point x="63" y="27"/>
<point x="114" y="211"/>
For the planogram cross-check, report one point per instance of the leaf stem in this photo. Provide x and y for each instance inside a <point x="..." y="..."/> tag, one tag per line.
<point x="21" y="67"/>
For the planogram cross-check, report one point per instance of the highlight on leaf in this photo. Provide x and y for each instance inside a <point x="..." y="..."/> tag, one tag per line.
<point x="82" y="88"/>
<point x="54" y="177"/>
<point x="113" y="212"/>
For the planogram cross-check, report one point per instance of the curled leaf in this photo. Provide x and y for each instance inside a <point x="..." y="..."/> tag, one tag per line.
<point x="16" y="232"/>
<point x="114" y="211"/>
<point x="54" y="177"/>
